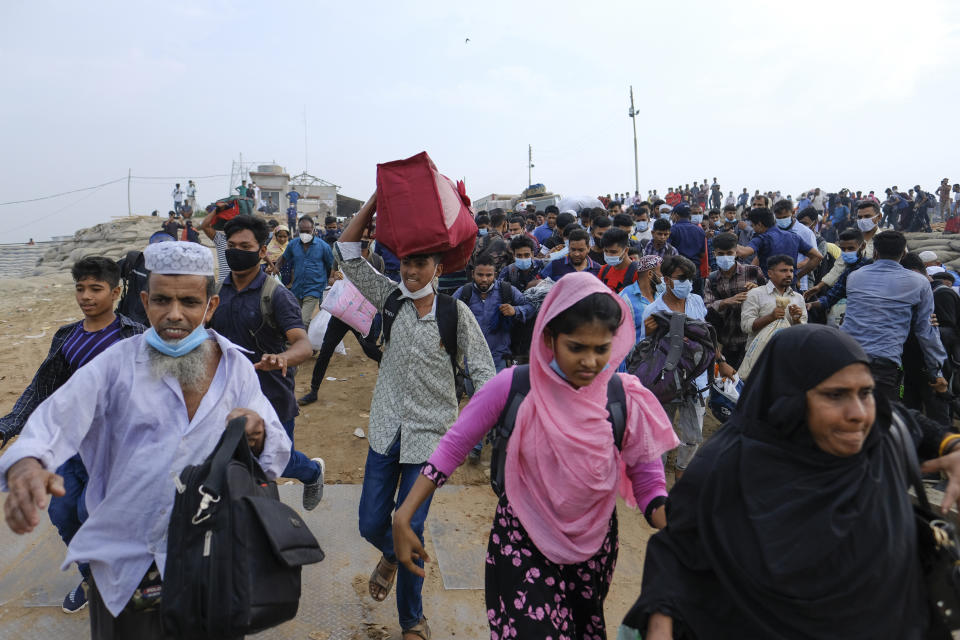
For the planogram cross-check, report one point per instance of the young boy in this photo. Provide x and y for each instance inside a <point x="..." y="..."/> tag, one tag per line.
<point x="414" y="402"/>
<point x="97" y="283"/>
<point x="618" y="272"/>
<point x="659" y="245"/>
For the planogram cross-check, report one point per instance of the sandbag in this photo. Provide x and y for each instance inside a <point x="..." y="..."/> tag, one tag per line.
<point x="318" y="328"/>
<point x="419" y="210"/>
<point x="344" y="301"/>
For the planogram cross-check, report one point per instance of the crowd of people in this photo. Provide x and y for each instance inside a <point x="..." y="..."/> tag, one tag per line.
<point x="588" y="345"/>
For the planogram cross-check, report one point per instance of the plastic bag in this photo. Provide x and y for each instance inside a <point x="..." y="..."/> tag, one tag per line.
<point x="318" y="328"/>
<point x="759" y="343"/>
<point x="344" y="301"/>
<point x="537" y="294"/>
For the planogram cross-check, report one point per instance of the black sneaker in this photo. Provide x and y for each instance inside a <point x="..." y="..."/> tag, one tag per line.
<point x="313" y="492"/>
<point x="310" y="398"/>
<point x="76" y="600"/>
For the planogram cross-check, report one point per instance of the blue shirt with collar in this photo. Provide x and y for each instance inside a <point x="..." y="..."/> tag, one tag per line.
<point x="885" y="302"/>
<point x="688" y="239"/>
<point x="391" y="262"/>
<point x="238" y="319"/>
<point x="559" y="268"/>
<point x="775" y="241"/>
<point x="542" y="233"/>
<point x="312" y="264"/>
<point x="494" y="325"/>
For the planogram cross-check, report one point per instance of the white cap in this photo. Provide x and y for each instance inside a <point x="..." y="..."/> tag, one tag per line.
<point x="934" y="269"/>
<point x="665" y="208"/>
<point x="178" y="258"/>
<point x="928" y="256"/>
<point x="570" y="211"/>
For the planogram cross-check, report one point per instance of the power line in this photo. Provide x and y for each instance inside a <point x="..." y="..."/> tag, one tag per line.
<point x="218" y="175"/>
<point x="65" y="193"/>
<point x="33" y="221"/>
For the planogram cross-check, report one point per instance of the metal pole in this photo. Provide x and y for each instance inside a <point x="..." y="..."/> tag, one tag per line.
<point x="636" y="165"/>
<point x="129" y="208"/>
<point x="529" y="164"/>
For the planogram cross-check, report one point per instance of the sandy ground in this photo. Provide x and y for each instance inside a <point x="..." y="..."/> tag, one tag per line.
<point x="32" y="309"/>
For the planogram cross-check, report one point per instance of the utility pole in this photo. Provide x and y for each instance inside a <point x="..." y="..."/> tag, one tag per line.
<point x="129" y="208"/>
<point x="529" y="164"/>
<point x="636" y="166"/>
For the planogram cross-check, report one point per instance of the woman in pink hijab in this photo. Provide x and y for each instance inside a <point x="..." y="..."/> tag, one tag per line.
<point x="554" y="544"/>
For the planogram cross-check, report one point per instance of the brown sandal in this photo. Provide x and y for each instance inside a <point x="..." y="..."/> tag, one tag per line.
<point x="382" y="579"/>
<point x="421" y="629"/>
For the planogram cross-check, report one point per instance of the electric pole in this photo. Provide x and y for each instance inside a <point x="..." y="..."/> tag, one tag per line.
<point x="636" y="166"/>
<point x="529" y="164"/>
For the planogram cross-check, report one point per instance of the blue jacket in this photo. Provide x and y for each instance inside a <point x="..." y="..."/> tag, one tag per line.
<point x="311" y="267"/>
<point x="496" y="327"/>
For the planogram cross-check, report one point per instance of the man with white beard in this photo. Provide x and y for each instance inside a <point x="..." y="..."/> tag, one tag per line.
<point x="138" y="414"/>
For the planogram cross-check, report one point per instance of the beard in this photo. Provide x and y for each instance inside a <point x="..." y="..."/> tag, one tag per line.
<point x="190" y="370"/>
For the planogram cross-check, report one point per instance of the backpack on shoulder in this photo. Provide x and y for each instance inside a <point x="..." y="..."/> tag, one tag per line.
<point x="133" y="279"/>
<point x="234" y="550"/>
<point x="519" y="388"/>
<point x="669" y="360"/>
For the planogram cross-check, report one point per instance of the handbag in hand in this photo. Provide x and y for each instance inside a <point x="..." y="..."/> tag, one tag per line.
<point x="937" y="538"/>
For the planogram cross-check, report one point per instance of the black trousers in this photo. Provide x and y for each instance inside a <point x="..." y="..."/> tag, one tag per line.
<point x="886" y="375"/>
<point x="336" y="330"/>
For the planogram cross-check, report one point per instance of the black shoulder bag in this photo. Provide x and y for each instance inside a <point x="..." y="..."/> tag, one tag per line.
<point x="937" y="540"/>
<point x="234" y="550"/>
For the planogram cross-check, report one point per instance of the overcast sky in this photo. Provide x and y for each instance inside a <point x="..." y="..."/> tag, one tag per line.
<point x="771" y="95"/>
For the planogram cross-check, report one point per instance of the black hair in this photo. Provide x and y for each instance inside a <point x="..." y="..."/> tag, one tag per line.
<point x="495" y="210"/>
<point x="682" y="212"/>
<point x="573" y="226"/>
<point x="623" y="220"/>
<point x="763" y="216"/>
<point x="780" y="258"/>
<point x="809" y="213"/>
<point x="614" y="237"/>
<point x="889" y="245"/>
<point x="672" y="263"/>
<point x="496" y="219"/>
<point x="945" y="276"/>
<point x="600" y="308"/>
<point x="270" y="223"/>
<point x="308" y="219"/>
<point x="602" y="222"/>
<point x="784" y="205"/>
<point x="255" y="224"/>
<point x="633" y="251"/>
<point x="868" y="204"/>
<point x="586" y="215"/>
<point x="521" y="241"/>
<point x="551" y="208"/>
<point x="851" y="233"/>
<point x="576" y="235"/>
<point x="913" y="262"/>
<point x="565" y="219"/>
<point x="436" y="257"/>
<point x="661" y="225"/>
<point x="715" y="211"/>
<point x="725" y="241"/>
<point x="482" y="219"/>
<point x="97" y="267"/>
<point x="518" y="220"/>
<point x="730" y="207"/>
<point x="484" y="259"/>
<point x="330" y="220"/>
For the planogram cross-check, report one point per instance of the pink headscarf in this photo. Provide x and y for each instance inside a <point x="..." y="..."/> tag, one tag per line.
<point x="562" y="467"/>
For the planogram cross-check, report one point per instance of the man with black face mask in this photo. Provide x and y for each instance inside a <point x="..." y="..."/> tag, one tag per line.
<point x="240" y="319"/>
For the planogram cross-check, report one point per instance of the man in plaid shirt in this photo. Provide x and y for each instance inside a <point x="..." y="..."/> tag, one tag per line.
<point x="724" y="293"/>
<point x="658" y="245"/>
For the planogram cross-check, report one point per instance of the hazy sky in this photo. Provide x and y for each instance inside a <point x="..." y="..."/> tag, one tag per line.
<point x="772" y="95"/>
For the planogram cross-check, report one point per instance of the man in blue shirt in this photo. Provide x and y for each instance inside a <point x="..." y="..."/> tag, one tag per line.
<point x="293" y="196"/>
<point x="545" y="230"/>
<point x="687" y="236"/>
<point x="239" y="319"/>
<point x="770" y="240"/>
<point x="525" y="267"/>
<point x="312" y="263"/>
<point x="885" y="303"/>
<point x="576" y="260"/>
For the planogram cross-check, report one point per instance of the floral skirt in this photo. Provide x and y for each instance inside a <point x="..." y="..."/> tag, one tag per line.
<point x="531" y="598"/>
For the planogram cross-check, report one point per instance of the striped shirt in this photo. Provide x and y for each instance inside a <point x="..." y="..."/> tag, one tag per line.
<point x="82" y="345"/>
<point x="223" y="269"/>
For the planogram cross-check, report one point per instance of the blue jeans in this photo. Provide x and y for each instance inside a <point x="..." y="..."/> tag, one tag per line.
<point x="300" y="466"/>
<point x="381" y="477"/>
<point x="69" y="511"/>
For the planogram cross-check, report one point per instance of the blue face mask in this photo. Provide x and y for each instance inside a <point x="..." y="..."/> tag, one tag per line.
<point x="682" y="288"/>
<point x="483" y="232"/>
<point x="643" y="225"/>
<point x="696" y="218"/>
<point x="726" y="262"/>
<point x="850" y="256"/>
<point x="182" y="347"/>
<point x="783" y="223"/>
<point x="718" y="224"/>
<point x="556" y="367"/>
<point x="661" y="289"/>
<point x="664" y="216"/>
<point x="523" y="263"/>
<point x="612" y="260"/>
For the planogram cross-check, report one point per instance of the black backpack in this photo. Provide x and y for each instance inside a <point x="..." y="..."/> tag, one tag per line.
<point x="234" y="550"/>
<point x="627" y="279"/>
<point x="506" y="292"/>
<point x="133" y="276"/>
<point x="519" y="388"/>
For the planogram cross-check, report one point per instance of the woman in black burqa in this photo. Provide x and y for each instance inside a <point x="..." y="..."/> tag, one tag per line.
<point x="770" y="535"/>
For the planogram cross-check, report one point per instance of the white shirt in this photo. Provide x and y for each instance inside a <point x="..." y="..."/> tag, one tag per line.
<point x="133" y="435"/>
<point x="762" y="301"/>
<point x="191" y="190"/>
<point x="177" y="195"/>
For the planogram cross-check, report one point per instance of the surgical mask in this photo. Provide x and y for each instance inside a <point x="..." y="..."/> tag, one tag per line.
<point x="423" y="292"/>
<point x="612" y="260"/>
<point x="556" y="367"/>
<point x="240" y="260"/>
<point x="523" y="263"/>
<point x="784" y="223"/>
<point x="661" y="289"/>
<point x="643" y="225"/>
<point x="181" y="347"/>
<point x="483" y="232"/>
<point x="306" y="238"/>
<point x="850" y="256"/>
<point x="718" y="224"/>
<point x="682" y="288"/>
<point x="664" y="216"/>
<point x="558" y="255"/>
<point x="866" y="224"/>
<point x="696" y="218"/>
<point x="726" y="262"/>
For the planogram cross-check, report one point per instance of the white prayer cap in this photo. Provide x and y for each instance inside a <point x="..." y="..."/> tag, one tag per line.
<point x="928" y="256"/>
<point x="178" y="258"/>
<point x="665" y="208"/>
<point x="569" y="211"/>
<point x="934" y="269"/>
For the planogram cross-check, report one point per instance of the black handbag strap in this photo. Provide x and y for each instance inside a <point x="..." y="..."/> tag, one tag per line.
<point x="903" y="441"/>
<point x="223" y="454"/>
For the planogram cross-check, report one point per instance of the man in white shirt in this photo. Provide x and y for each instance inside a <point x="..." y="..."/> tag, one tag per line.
<point x="818" y="201"/>
<point x="138" y="414"/>
<point x="177" y="194"/>
<point x="761" y="308"/>
<point x="192" y="194"/>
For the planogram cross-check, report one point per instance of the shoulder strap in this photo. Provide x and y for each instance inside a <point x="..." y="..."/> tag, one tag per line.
<point x="617" y="408"/>
<point x="903" y="442"/>
<point x="466" y="292"/>
<point x="226" y="449"/>
<point x="513" y="274"/>
<point x="519" y="388"/>
<point x="631" y="273"/>
<point x="391" y="306"/>
<point x="603" y="271"/>
<point x="506" y="292"/>
<point x="266" y="302"/>
<point x="448" y="316"/>
<point x="676" y="335"/>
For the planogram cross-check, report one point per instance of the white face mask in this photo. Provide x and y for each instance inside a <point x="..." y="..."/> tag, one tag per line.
<point x="422" y="292"/>
<point x="866" y="224"/>
<point x="306" y="237"/>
